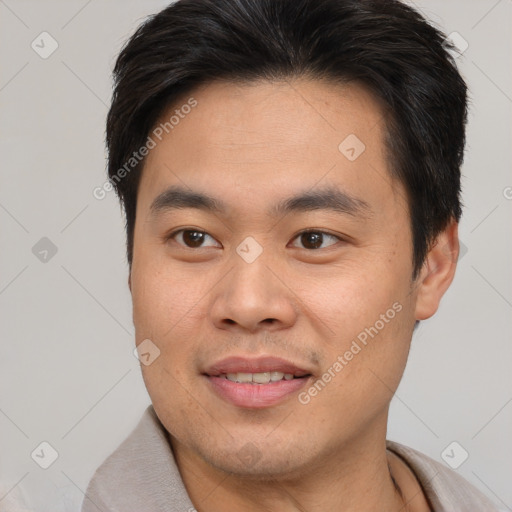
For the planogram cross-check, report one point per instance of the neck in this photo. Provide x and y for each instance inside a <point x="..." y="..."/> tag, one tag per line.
<point x="355" y="477"/>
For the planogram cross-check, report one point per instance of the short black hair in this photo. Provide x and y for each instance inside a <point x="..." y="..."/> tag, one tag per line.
<point x="384" y="44"/>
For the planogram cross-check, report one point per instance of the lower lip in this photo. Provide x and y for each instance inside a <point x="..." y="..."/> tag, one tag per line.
<point x="255" y="396"/>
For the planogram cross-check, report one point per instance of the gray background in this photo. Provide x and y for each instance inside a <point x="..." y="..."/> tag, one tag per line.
<point x="68" y="375"/>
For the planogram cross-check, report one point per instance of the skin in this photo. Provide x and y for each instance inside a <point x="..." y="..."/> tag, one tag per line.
<point x="252" y="145"/>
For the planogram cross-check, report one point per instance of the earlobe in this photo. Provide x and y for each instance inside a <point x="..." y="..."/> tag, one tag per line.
<point x="437" y="272"/>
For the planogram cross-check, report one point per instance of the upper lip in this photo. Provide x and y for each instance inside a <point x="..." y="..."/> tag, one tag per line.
<point x="240" y="364"/>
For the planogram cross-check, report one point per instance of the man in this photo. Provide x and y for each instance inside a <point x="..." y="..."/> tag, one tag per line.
<point x="290" y="174"/>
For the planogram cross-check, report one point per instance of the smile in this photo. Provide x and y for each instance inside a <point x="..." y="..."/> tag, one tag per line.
<point x="258" y="378"/>
<point x="255" y="383"/>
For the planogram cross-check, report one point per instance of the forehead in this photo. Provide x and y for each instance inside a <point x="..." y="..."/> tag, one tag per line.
<point x="267" y="136"/>
<point x="277" y="114"/>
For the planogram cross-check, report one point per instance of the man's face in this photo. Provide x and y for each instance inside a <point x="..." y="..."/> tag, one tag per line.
<point x="242" y="290"/>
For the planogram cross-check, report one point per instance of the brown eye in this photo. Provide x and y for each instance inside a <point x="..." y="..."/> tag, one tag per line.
<point x="315" y="239"/>
<point x="191" y="238"/>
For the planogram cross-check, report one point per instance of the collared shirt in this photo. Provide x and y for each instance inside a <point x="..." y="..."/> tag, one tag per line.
<point x="141" y="475"/>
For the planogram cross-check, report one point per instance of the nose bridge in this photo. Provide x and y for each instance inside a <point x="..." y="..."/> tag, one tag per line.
<point x="252" y="292"/>
<point x="252" y="278"/>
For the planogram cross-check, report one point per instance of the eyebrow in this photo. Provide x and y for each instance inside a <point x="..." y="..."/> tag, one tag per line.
<point x="326" y="198"/>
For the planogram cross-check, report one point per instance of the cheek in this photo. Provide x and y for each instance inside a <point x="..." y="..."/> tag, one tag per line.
<point x="370" y="320"/>
<point x="165" y="298"/>
<point x="348" y="300"/>
<point x="358" y="380"/>
<point x="168" y="310"/>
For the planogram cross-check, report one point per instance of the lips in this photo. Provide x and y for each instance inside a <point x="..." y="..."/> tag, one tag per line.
<point x="255" y="383"/>
<point x="259" y="365"/>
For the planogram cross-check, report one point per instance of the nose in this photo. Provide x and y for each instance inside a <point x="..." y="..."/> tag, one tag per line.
<point x="254" y="296"/>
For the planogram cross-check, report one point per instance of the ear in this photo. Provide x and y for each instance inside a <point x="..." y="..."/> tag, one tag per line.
<point x="437" y="272"/>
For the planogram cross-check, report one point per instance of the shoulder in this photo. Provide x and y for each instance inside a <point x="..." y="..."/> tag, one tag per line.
<point x="446" y="490"/>
<point x="140" y="475"/>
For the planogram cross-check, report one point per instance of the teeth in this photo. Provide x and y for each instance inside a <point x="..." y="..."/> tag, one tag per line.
<point x="258" y="378"/>
<point x="261" y="378"/>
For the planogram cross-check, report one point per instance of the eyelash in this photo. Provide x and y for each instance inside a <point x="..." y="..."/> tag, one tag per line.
<point x="307" y="231"/>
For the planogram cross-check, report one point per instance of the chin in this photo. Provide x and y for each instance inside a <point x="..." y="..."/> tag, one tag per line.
<point x="256" y="460"/>
<point x="279" y="467"/>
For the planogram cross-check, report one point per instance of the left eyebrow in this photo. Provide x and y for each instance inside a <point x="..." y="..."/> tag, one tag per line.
<point x="326" y="198"/>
